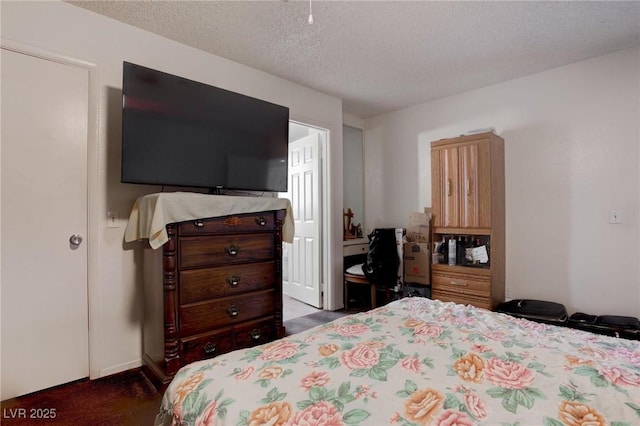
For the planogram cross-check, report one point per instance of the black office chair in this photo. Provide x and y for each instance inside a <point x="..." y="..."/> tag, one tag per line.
<point x="382" y="261"/>
<point x="380" y="269"/>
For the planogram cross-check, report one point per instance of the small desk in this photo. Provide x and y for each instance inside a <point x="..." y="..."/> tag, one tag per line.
<point x="359" y="246"/>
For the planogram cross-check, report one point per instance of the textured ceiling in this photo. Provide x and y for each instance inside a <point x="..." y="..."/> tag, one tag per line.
<point x="381" y="56"/>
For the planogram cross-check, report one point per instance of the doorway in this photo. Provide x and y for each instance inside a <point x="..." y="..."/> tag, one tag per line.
<point x="302" y="260"/>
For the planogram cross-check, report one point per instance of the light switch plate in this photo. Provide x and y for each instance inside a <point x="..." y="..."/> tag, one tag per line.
<point x="615" y="216"/>
<point x="112" y="219"/>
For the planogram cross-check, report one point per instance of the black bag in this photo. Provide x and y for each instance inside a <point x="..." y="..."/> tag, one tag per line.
<point x="580" y="319"/>
<point x="610" y="325"/>
<point x="619" y="326"/>
<point x="381" y="266"/>
<point x="618" y="321"/>
<point x="583" y="321"/>
<point x="535" y="310"/>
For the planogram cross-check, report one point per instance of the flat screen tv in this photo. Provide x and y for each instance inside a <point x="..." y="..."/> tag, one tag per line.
<point x="179" y="132"/>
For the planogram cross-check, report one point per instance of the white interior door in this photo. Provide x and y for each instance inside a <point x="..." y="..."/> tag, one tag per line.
<point x="43" y="202"/>
<point x="303" y="256"/>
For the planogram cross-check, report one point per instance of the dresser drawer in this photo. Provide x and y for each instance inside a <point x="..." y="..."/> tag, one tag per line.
<point x="250" y="222"/>
<point x="206" y="345"/>
<point x="203" y="284"/>
<point x="203" y="316"/>
<point x="254" y="333"/>
<point x="197" y="252"/>
<point x="444" y="296"/>
<point x="462" y="285"/>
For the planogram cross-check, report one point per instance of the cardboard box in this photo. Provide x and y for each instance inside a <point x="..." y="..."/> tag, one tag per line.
<point x="417" y="263"/>
<point x="419" y="227"/>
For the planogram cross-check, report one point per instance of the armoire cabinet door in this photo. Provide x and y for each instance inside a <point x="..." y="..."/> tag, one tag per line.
<point x="475" y="185"/>
<point x="446" y="185"/>
<point x="436" y="188"/>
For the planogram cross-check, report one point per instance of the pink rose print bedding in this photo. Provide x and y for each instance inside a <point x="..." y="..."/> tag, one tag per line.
<point x="416" y="361"/>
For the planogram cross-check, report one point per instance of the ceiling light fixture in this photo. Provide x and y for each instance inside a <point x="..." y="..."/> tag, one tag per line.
<point x="310" y="14"/>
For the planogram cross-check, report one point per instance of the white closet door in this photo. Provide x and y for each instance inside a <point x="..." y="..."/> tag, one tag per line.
<point x="43" y="204"/>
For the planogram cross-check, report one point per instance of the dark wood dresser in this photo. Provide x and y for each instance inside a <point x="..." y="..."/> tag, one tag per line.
<point x="216" y="287"/>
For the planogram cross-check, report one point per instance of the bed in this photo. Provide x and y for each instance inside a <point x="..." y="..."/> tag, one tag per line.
<point x="416" y="361"/>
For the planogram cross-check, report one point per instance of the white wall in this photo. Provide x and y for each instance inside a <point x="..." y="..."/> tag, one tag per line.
<point x="572" y="141"/>
<point x="115" y="292"/>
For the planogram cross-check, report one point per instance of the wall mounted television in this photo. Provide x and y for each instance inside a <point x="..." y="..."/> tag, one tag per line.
<point x="179" y="132"/>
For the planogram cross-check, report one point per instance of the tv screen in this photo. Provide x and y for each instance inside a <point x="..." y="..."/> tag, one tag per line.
<point x="179" y="132"/>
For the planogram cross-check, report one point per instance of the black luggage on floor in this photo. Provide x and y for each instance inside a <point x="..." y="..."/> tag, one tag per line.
<point x="583" y="321"/>
<point x="535" y="310"/>
<point x="620" y="326"/>
<point x="580" y="319"/>
<point x="610" y="325"/>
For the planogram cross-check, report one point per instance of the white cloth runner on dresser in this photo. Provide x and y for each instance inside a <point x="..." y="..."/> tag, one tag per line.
<point x="151" y="213"/>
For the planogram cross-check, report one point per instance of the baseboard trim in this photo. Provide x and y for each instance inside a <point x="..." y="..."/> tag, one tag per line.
<point x="120" y="368"/>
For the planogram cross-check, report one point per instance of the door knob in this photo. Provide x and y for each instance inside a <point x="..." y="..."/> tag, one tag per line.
<point x="75" y="239"/>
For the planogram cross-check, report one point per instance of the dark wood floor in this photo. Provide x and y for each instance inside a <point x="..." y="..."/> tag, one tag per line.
<point x="126" y="398"/>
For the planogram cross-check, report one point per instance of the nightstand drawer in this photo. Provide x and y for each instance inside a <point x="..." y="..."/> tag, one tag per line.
<point x="207" y="345"/>
<point x="251" y="222"/>
<point x="462" y="285"/>
<point x="202" y="316"/>
<point x="197" y="252"/>
<point x="202" y="284"/>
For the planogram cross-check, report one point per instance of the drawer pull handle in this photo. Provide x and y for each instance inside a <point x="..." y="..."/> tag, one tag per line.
<point x="198" y="223"/>
<point x="209" y="348"/>
<point x="233" y="311"/>
<point x="232" y="250"/>
<point x="459" y="284"/>
<point x="255" y="334"/>
<point x="261" y="221"/>
<point x="233" y="281"/>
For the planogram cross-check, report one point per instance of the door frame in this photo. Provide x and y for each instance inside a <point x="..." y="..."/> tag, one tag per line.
<point x="93" y="216"/>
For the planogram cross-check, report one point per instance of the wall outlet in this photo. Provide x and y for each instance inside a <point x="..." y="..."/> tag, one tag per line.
<point x="615" y="216"/>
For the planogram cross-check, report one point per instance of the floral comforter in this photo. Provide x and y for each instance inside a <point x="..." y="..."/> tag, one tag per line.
<point x="416" y="362"/>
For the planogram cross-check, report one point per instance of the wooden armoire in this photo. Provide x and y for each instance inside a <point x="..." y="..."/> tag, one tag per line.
<point x="468" y="202"/>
